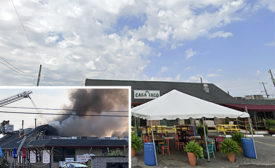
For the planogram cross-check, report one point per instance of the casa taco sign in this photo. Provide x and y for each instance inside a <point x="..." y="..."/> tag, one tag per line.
<point x="146" y="94"/>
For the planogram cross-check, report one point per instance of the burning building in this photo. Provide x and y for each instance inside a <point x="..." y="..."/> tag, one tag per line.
<point x="93" y="129"/>
<point x="43" y="146"/>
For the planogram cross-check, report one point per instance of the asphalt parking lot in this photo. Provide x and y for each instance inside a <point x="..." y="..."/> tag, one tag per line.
<point x="265" y="147"/>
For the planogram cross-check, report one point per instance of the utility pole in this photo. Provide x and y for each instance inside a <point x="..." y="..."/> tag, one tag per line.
<point x="272" y="78"/>
<point x="264" y="89"/>
<point x="22" y="124"/>
<point x="39" y="74"/>
<point x="35" y="123"/>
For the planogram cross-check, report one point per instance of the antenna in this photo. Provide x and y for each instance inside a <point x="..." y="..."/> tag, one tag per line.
<point x="263" y="83"/>
<point x="272" y="78"/>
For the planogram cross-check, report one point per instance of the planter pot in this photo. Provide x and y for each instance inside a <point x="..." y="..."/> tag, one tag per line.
<point x="192" y="159"/>
<point x="133" y="152"/>
<point x="241" y="149"/>
<point x="271" y="132"/>
<point x="231" y="157"/>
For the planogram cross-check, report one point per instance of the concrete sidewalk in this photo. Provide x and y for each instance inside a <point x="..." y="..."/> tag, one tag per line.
<point x="265" y="147"/>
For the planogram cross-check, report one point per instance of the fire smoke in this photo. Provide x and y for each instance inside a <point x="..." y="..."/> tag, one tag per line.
<point x="95" y="101"/>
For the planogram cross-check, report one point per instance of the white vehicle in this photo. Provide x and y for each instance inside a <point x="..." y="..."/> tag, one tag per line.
<point x="74" y="165"/>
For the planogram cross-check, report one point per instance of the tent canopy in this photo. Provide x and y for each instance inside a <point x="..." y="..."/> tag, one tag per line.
<point x="175" y="104"/>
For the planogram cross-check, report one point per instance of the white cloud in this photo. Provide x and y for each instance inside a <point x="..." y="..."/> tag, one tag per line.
<point x="271" y="44"/>
<point x="178" y="77"/>
<point x="258" y="72"/>
<point x="211" y="75"/>
<point x="164" y="69"/>
<point x="269" y="4"/>
<point x="189" y="53"/>
<point x="153" y="78"/>
<point x="65" y="41"/>
<point x="221" y="34"/>
<point x="187" y="68"/>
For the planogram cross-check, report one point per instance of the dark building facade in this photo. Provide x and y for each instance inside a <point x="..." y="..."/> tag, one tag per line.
<point x="144" y="91"/>
<point x="43" y="147"/>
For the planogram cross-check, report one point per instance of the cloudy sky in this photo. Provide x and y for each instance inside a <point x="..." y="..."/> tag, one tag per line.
<point x="227" y="42"/>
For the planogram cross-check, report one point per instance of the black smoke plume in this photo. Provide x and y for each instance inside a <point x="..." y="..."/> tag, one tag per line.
<point x="95" y="101"/>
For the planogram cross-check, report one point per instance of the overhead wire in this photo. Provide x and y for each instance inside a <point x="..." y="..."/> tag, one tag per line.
<point x="5" y="60"/>
<point x="64" y="114"/>
<point x="21" y="22"/>
<point x="9" y="67"/>
<point x="63" y="109"/>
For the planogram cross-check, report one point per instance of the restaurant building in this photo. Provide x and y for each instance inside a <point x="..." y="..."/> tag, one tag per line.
<point x="144" y="91"/>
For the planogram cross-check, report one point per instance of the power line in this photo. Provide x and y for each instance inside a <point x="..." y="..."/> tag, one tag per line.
<point x="13" y="68"/>
<point x="21" y="23"/>
<point x="2" y="58"/>
<point x="9" y="67"/>
<point x="64" y="109"/>
<point x="64" y="114"/>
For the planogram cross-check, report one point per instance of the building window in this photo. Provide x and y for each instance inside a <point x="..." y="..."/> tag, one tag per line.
<point x="59" y="154"/>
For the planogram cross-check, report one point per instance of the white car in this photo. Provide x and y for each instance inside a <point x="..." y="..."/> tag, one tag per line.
<point x="74" y="165"/>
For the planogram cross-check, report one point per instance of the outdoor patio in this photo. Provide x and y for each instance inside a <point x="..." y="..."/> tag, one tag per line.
<point x="265" y="147"/>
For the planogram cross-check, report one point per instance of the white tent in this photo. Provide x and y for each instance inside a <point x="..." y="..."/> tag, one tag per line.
<point x="175" y="104"/>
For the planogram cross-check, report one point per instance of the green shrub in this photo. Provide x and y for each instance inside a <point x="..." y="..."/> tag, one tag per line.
<point x="115" y="152"/>
<point x="194" y="147"/>
<point x="200" y="130"/>
<point x="271" y="129"/>
<point x="270" y="123"/>
<point x="237" y="136"/>
<point x="136" y="142"/>
<point x="229" y="146"/>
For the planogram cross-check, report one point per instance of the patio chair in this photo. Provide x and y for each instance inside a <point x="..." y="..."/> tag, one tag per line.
<point x="165" y="146"/>
<point x="178" y="144"/>
<point x="211" y="149"/>
<point x="219" y="140"/>
<point x="145" y="138"/>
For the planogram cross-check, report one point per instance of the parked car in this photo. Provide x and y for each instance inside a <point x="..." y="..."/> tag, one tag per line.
<point x="74" y="165"/>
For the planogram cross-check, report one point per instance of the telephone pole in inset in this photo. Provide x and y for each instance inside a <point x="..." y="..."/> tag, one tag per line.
<point x="39" y="74"/>
<point x="263" y="83"/>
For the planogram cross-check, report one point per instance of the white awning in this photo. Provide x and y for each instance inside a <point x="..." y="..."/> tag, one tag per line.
<point x="175" y="104"/>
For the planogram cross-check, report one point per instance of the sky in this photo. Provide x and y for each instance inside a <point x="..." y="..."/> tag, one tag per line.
<point x="43" y="98"/>
<point x="230" y="43"/>
<point x="69" y="98"/>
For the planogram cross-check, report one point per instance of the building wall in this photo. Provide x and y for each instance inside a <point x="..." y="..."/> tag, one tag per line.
<point x="81" y="151"/>
<point x="101" y="162"/>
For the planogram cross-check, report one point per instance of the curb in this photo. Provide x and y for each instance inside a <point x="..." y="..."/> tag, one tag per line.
<point x="257" y="164"/>
<point x="254" y="136"/>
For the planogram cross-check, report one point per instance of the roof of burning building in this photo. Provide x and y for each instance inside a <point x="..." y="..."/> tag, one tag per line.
<point x="78" y="143"/>
<point x="13" y="140"/>
<point x="47" y="136"/>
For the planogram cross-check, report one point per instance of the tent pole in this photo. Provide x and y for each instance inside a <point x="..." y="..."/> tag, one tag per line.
<point x="154" y="142"/>
<point x="208" y="158"/>
<point x="251" y="129"/>
<point x="135" y="125"/>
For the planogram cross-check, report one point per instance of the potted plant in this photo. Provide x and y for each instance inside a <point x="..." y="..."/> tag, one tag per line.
<point x="237" y="137"/>
<point x="270" y="125"/>
<point x="271" y="130"/>
<point x="193" y="150"/>
<point x="231" y="148"/>
<point x="200" y="131"/>
<point x="136" y="144"/>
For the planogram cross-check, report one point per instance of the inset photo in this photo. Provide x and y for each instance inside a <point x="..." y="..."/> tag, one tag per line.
<point x="64" y="127"/>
